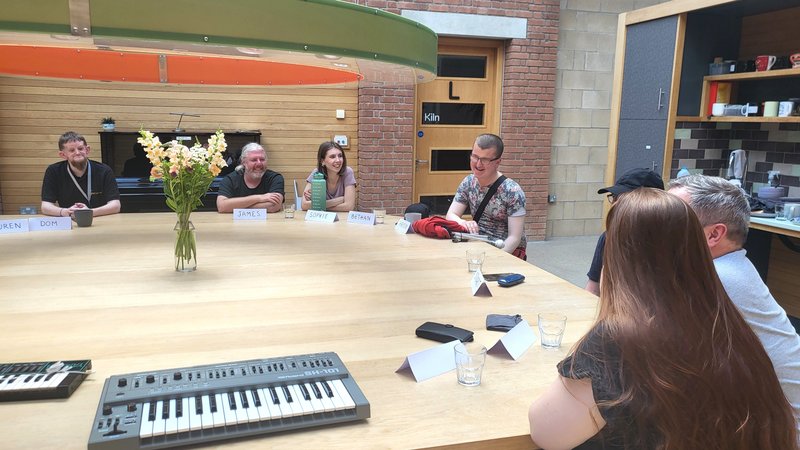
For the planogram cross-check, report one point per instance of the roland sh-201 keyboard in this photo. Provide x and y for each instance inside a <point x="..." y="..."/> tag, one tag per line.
<point x="41" y="380"/>
<point x="191" y="405"/>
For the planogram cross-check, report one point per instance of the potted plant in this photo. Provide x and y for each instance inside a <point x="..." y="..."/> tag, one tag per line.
<point x="108" y="123"/>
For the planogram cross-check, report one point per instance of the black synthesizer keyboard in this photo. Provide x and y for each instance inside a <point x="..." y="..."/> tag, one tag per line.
<point x="41" y="380"/>
<point x="192" y="405"/>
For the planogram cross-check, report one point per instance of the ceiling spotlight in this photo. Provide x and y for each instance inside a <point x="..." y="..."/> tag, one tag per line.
<point x="250" y="51"/>
<point x="342" y="65"/>
<point x="329" y="57"/>
<point x="64" y="37"/>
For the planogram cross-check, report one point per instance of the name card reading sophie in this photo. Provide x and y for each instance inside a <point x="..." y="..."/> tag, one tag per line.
<point x="321" y="216"/>
<point x="13" y="226"/>
<point x="49" y="223"/>
<point x="363" y="218"/>
<point x="249" y="214"/>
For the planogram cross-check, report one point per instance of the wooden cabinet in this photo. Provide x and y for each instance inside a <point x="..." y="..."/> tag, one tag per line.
<point x="754" y="88"/>
<point x="137" y="192"/>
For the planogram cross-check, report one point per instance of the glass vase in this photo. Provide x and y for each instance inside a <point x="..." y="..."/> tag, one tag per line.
<point x="185" y="246"/>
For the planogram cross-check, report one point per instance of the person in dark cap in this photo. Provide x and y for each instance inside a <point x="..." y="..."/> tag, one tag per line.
<point x="628" y="181"/>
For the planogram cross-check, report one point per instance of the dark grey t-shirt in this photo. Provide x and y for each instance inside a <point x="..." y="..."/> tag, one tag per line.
<point x="233" y="185"/>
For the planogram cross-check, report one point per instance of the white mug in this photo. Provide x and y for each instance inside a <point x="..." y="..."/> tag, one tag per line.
<point x="770" y="109"/>
<point x="718" y="109"/>
<point x="785" y="109"/>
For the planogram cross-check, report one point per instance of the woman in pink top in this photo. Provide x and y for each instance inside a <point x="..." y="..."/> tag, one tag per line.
<point x="341" y="182"/>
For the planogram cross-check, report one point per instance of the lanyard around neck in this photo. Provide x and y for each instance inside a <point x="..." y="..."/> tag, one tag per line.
<point x="86" y="195"/>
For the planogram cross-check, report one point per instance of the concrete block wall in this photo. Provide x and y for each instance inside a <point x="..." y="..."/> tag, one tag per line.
<point x="587" y="42"/>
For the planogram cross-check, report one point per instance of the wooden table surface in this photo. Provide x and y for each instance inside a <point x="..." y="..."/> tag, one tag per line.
<point x="268" y="289"/>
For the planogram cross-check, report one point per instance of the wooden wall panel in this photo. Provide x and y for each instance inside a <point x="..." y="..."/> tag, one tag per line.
<point x="293" y="121"/>
<point x="774" y="33"/>
<point x="782" y="276"/>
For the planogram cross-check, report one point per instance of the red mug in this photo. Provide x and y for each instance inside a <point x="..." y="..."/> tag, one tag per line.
<point x="795" y="59"/>
<point x="765" y="62"/>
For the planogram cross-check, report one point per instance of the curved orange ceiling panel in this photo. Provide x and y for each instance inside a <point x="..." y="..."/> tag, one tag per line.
<point x="107" y="65"/>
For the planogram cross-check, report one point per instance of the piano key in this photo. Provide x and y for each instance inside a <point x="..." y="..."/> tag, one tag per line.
<point x="273" y="394"/>
<point x="286" y="410"/>
<point x="338" y="403"/>
<point x="304" y="391"/>
<point x="151" y="416"/>
<point x="38" y="382"/>
<point x="168" y="406"/>
<point x="195" y="413"/>
<point x="171" y="419"/>
<point x="218" y="416"/>
<point x="327" y="404"/>
<point x="262" y="405"/>
<point x="274" y="410"/>
<point x="250" y="406"/>
<point x="241" y="411"/>
<point x="342" y="391"/>
<point x="315" y="390"/>
<point x="315" y="402"/>
<point x="11" y="381"/>
<point x="55" y="380"/>
<point x="146" y="427"/>
<point x="327" y="388"/>
<point x="291" y="396"/>
<point x="182" y="406"/>
<point x="301" y="400"/>
<point x="159" y="424"/>
<point x="231" y="419"/>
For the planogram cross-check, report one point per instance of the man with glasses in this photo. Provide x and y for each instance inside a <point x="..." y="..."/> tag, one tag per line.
<point x="628" y="181"/>
<point x="503" y="214"/>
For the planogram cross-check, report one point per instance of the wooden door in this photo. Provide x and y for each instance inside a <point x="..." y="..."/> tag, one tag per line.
<point x="463" y="102"/>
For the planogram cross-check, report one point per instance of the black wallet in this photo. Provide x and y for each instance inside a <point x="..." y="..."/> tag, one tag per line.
<point x="502" y="322"/>
<point x="443" y="332"/>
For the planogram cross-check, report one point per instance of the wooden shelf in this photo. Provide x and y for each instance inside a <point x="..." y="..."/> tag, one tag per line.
<point x="780" y="73"/>
<point x="758" y="119"/>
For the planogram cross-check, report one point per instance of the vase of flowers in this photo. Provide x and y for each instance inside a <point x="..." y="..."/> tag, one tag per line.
<point x="187" y="173"/>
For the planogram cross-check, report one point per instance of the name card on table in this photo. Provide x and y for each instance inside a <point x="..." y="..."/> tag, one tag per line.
<point x="50" y="223"/>
<point x="249" y="214"/>
<point x="431" y="362"/>
<point x="13" y="226"/>
<point x="479" y="286"/>
<point x="363" y="218"/>
<point x="321" y="216"/>
<point x="516" y="341"/>
<point x="403" y="227"/>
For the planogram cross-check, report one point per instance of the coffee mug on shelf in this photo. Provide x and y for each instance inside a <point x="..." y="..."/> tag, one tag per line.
<point x="770" y="109"/>
<point x="785" y="108"/>
<point x="765" y="62"/>
<point x="795" y="59"/>
<point x="718" y="109"/>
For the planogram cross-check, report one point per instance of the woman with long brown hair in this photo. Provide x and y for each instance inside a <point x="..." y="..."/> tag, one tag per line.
<point x="670" y="363"/>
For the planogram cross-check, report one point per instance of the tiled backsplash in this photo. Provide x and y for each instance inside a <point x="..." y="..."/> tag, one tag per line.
<point x="705" y="147"/>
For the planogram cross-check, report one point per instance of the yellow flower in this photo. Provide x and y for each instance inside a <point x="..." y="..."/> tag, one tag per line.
<point x="156" y="173"/>
<point x="214" y="169"/>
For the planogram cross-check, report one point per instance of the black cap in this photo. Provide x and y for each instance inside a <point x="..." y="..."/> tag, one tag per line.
<point x="634" y="179"/>
<point x="420" y="208"/>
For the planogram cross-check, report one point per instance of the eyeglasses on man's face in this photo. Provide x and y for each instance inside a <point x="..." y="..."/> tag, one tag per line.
<point x="483" y="161"/>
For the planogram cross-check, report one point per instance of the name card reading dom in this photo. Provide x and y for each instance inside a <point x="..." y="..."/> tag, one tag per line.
<point x="321" y="216"/>
<point x="49" y="223"/>
<point x="249" y="214"/>
<point x="363" y="218"/>
<point x="13" y="226"/>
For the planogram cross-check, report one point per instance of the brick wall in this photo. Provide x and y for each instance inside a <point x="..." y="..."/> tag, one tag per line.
<point x="386" y="128"/>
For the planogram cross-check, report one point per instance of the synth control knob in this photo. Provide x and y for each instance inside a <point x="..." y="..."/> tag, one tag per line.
<point x="131" y="407"/>
<point x="107" y="410"/>
<point x="122" y="382"/>
<point x="150" y="379"/>
<point x="177" y="376"/>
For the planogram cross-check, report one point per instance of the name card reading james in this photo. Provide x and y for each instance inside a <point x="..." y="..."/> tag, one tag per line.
<point x="13" y="226"/>
<point x="479" y="286"/>
<point x="363" y="218"/>
<point x="249" y="214"/>
<point x="403" y="227"/>
<point x="321" y="216"/>
<point x="49" y="223"/>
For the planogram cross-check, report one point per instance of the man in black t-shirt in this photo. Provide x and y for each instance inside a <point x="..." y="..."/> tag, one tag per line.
<point x="77" y="182"/>
<point x="628" y="181"/>
<point x="251" y="185"/>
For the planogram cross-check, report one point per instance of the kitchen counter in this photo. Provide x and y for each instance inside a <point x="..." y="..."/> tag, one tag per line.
<point x="783" y="227"/>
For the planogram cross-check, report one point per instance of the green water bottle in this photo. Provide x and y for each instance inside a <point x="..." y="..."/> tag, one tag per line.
<point x="318" y="188"/>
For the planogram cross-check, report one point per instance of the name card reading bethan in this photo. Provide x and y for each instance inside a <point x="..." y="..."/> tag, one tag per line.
<point x="249" y="214"/>
<point x="321" y="216"/>
<point x="363" y="218"/>
<point x="49" y="223"/>
<point x="13" y="226"/>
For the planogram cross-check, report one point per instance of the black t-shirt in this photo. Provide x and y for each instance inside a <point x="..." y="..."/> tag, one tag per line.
<point x="233" y="185"/>
<point x="58" y="187"/>
<point x="598" y="358"/>
<point x="597" y="260"/>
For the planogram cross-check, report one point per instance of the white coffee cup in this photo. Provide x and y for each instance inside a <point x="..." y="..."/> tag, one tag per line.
<point x="785" y="109"/>
<point x="718" y="109"/>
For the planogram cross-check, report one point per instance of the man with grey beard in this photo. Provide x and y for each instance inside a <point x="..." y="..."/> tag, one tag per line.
<point x="251" y="185"/>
